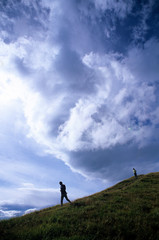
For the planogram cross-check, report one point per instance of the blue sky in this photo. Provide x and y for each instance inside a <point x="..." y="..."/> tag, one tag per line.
<point x="79" y="97"/>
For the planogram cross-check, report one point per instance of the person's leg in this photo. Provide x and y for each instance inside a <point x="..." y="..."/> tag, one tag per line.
<point x="67" y="198"/>
<point x="62" y="196"/>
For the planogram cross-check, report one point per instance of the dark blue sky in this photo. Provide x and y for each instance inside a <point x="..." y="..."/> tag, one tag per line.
<point x="79" y="97"/>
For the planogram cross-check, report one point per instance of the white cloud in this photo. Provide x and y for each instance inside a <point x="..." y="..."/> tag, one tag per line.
<point x="16" y="23"/>
<point x="9" y="214"/>
<point x="79" y="122"/>
<point x="104" y="119"/>
<point x="38" y="197"/>
<point x="17" y="97"/>
<point x="100" y="121"/>
<point x="34" y="197"/>
<point x="30" y="210"/>
<point x="121" y="7"/>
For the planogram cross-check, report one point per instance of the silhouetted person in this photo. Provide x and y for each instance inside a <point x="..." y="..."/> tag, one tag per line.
<point x="135" y="172"/>
<point x="63" y="193"/>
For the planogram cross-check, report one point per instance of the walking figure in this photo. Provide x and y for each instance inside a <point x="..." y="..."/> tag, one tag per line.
<point x="135" y="172"/>
<point x="63" y="193"/>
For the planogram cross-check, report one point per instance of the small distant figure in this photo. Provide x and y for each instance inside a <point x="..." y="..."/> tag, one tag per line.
<point x="63" y="193"/>
<point x="135" y="172"/>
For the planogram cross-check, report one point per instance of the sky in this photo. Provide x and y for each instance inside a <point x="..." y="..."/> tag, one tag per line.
<point x="79" y="98"/>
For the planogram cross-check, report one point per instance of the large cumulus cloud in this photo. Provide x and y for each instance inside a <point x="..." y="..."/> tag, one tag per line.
<point x="117" y="127"/>
<point x="89" y="93"/>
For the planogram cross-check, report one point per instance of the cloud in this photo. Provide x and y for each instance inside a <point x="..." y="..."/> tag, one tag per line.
<point x="114" y="109"/>
<point x="45" y="197"/>
<point x="121" y="8"/>
<point x="10" y="210"/>
<point x="8" y="214"/>
<point x="121" y="119"/>
<point x="22" y="18"/>
<point x="78" y="92"/>
<point x="115" y="163"/>
<point x="143" y="27"/>
<point x="26" y="199"/>
<point x="30" y="211"/>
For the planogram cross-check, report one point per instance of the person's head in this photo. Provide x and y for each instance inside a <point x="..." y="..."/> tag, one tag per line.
<point x="60" y="183"/>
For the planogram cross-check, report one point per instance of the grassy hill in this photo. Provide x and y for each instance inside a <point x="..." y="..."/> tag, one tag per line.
<point x="128" y="210"/>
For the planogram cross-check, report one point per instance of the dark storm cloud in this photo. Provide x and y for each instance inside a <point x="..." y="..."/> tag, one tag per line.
<point x="117" y="162"/>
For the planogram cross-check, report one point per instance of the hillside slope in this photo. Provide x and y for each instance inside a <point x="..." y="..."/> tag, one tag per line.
<point x="128" y="210"/>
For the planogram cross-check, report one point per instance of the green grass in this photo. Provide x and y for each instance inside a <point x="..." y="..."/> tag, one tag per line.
<point x="128" y="210"/>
